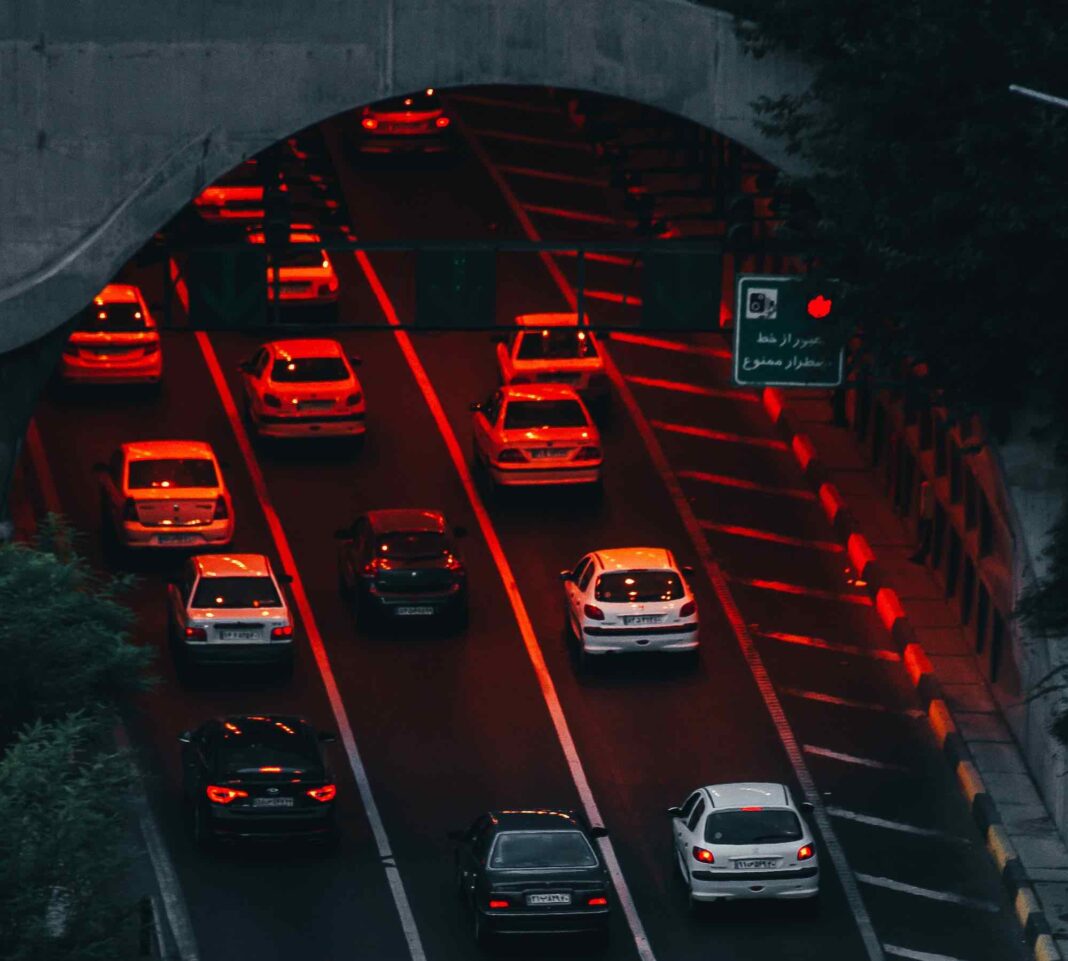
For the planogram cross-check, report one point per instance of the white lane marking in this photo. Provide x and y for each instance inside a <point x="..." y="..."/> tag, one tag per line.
<point x="508" y="104"/>
<point x="556" y="176"/>
<point x="519" y="610"/>
<point x="891" y="885"/>
<point x="531" y="139"/>
<point x="849" y="702"/>
<point x="917" y="955"/>
<point x="747" y="485"/>
<point x="581" y="216"/>
<point x="735" y="393"/>
<point x="852" y="759"/>
<point x="315" y="642"/>
<point x="659" y="343"/>
<point x="612" y="297"/>
<point x="782" y="587"/>
<point x="616" y="259"/>
<point x="877" y="654"/>
<point x="720" y="435"/>
<point x="737" y="530"/>
<point x="875" y="822"/>
<point x="872" y="945"/>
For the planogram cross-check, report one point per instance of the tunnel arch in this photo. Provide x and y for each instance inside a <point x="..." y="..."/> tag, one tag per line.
<point x="169" y="98"/>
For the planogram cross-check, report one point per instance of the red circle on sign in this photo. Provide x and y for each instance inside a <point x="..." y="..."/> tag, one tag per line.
<point x="819" y="306"/>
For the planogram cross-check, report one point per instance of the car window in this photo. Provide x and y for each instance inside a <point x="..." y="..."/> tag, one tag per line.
<point x="222" y="592"/>
<point x="752" y="827"/>
<point x="542" y="849"/>
<point x="695" y="815"/>
<point x="555" y="343"/>
<point x="483" y="839"/>
<point x="532" y="414"/>
<point x="260" y="363"/>
<point x="112" y="318"/>
<point x="172" y="472"/>
<point x="638" y="586"/>
<point x="580" y="567"/>
<point x="492" y="407"/>
<point x="360" y="536"/>
<point x="309" y="370"/>
<point x="413" y="102"/>
<point x="688" y="806"/>
<point x="189" y="576"/>
<point x="411" y="545"/>
<point x="584" y="580"/>
<point x="249" y="745"/>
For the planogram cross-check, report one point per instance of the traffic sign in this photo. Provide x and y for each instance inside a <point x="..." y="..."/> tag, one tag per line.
<point x="786" y="333"/>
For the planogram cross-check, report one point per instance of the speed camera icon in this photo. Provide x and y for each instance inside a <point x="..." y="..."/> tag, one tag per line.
<point x="762" y="303"/>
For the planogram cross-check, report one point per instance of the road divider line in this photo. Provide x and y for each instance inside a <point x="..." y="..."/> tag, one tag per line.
<point x="782" y="587"/>
<point x="948" y="896"/>
<point x="554" y="175"/>
<point x="850" y="888"/>
<point x="917" y="955"/>
<point x="877" y="653"/>
<point x="736" y="530"/>
<point x="724" y="436"/>
<point x="600" y="258"/>
<point x="850" y="702"/>
<point x="723" y="480"/>
<point x="315" y="642"/>
<point x="738" y="393"/>
<point x="580" y="216"/>
<point x="526" y="628"/>
<point x="660" y="343"/>
<point x="612" y="297"/>
<point x="876" y="822"/>
<point x="853" y="759"/>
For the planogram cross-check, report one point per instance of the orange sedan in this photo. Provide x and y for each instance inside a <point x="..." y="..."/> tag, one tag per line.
<point x="116" y="341"/>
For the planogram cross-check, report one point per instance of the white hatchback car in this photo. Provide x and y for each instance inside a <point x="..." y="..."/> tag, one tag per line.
<point x="541" y="434"/>
<point x="630" y="599"/>
<point x="303" y="388"/>
<point x="745" y="840"/>
<point x="229" y="609"/>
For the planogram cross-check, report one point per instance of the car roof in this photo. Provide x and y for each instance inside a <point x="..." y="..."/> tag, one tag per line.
<point x="558" y="319"/>
<point x="405" y="519"/>
<point x="748" y="794"/>
<point x="238" y="725"/>
<point x="539" y="392"/>
<point x="160" y="449"/>
<point x="636" y="559"/>
<point x="536" y="819"/>
<point x="232" y="565"/>
<point x="118" y="294"/>
<point x="296" y="236"/>
<point x="305" y="347"/>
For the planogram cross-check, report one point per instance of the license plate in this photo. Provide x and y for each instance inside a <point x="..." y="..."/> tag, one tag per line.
<point x="548" y="452"/>
<point x="562" y="898"/>
<point x="238" y="635"/>
<point x="178" y="539"/>
<point x="272" y="802"/>
<point x="757" y="863"/>
<point x="316" y="405"/>
<point x="641" y="618"/>
<point x="405" y="611"/>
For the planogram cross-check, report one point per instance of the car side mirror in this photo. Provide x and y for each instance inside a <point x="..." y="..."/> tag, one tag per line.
<point x="477" y="406"/>
<point x="566" y="576"/>
<point x="355" y="361"/>
<point x="186" y="737"/>
<point x="327" y="737"/>
<point x="100" y="467"/>
<point x="343" y="534"/>
<point x="808" y="807"/>
<point x="687" y="570"/>
<point x="459" y="531"/>
<point x="455" y="835"/>
<point x="599" y="831"/>
<point x="674" y="812"/>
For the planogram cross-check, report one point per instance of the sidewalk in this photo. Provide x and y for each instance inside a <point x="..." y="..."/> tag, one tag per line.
<point x="1039" y="848"/>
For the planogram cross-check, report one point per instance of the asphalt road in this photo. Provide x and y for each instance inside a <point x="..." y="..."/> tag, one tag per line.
<point x="449" y="726"/>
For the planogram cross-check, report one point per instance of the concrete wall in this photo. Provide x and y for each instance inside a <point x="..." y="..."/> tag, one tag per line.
<point x="115" y="113"/>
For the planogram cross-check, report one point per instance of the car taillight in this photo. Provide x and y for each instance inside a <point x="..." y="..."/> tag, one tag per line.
<point x="453" y="563"/>
<point x="442" y="122"/>
<point x="688" y="609"/>
<point x="286" y="630"/>
<point x="353" y="399"/>
<point x="497" y="903"/>
<point x="325" y="793"/>
<point x="196" y="633"/>
<point x="224" y="795"/>
<point x="588" y="453"/>
<point x="269" y="400"/>
<point x="703" y="855"/>
<point x="510" y="455"/>
<point x="371" y="568"/>
<point x="222" y="512"/>
<point x="369" y="123"/>
<point x="129" y="510"/>
<point x="592" y="612"/>
<point x="805" y="852"/>
<point x="597" y="901"/>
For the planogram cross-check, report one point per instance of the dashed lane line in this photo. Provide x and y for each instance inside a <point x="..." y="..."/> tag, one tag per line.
<point x="613" y="297"/>
<point x="738" y="393"/>
<point x="724" y="480"/>
<point x="581" y="216"/>
<point x="914" y="889"/>
<point x="912" y="955"/>
<point x="853" y="759"/>
<point x="556" y="176"/>
<point x="659" y="343"/>
<point x="783" y="587"/>
<point x="753" y="533"/>
<point x="849" y="702"/>
<point x="871" y="821"/>
<point x="853" y="650"/>
<point x="728" y="438"/>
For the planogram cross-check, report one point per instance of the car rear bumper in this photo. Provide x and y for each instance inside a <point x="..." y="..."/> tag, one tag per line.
<point x="522" y="476"/>
<point x="343" y="425"/>
<point x="511" y="921"/>
<point x="803" y="883"/>
<point x="402" y="143"/>
<point x="305" y="823"/>
<point x="625" y="640"/>
<point x="400" y="606"/>
<point x="215" y="534"/>
<point x="147" y="370"/>
<point x="221" y="653"/>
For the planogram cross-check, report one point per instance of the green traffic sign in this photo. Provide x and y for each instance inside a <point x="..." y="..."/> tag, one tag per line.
<point x="456" y="288"/>
<point x="227" y="288"/>
<point x="785" y="333"/>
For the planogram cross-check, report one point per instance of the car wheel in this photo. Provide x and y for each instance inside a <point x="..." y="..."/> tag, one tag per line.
<point x="693" y="906"/>
<point x="203" y="836"/>
<point x="585" y="660"/>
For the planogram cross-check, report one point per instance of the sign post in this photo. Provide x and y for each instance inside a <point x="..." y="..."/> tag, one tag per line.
<point x="785" y="334"/>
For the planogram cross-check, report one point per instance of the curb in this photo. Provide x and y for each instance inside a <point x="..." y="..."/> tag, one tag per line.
<point x="1028" y="909"/>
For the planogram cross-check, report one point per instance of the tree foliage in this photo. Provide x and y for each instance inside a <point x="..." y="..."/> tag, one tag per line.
<point x="942" y="196"/>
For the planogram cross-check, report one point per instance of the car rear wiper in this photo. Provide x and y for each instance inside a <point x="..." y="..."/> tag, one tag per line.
<point x="773" y="837"/>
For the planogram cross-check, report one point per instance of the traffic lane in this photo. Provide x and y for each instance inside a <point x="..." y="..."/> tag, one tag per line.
<point x="79" y="429"/>
<point x="430" y="707"/>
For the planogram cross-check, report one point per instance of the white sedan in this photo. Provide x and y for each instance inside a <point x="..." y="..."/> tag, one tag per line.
<point x="630" y="599"/>
<point x="537" y="434"/>
<point x="745" y="840"/>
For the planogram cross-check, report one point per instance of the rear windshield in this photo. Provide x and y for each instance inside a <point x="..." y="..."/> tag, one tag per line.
<point x="542" y="849"/>
<point x="622" y="586"/>
<point x="172" y="472"/>
<point x="259" y="744"/>
<point x="112" y="317"/>
<point x="304" y="257"/>
<point x="236" y="592"/>
<point x="411" y="544"/>
<point x="752" y="827"/>
<point x="555" y="344"/>
<point x="415" y="102"/>
<point x="532" y="414"/>
<point x="309" y="370"/>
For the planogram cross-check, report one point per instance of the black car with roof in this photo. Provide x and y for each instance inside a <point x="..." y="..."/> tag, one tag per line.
<point x="258" y="776"/>
<point x="533" y="872"/>
<point x="403" y="565"/>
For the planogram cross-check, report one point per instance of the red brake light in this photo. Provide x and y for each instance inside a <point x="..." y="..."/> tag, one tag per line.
<point x="453" y="563"/>
<point x="269" y="400"/>
<point x="751" y="809"/>
<point x="593" y="613"/>
<point x="222" y="512"/>
<point x="353" y="399"/>
<point x="805" y="852"/>
<point x="442" y="122"/>
<point x="599" y="901"/>
<point x="369" y="123"/>
<point x="129" y="510"/>
<point x="702" y="855"/>
<point x="224" y="795"/>
<point x="270" y="770"/>
<point x="286" y="630"/>
<point x="588" y="453"/>
<point x="510" y="455"/>
<point x="371" y="567"/>
<point x="688" y="609"/>
<point x="325" y="793"/>
<point x="496" y="903"/>
<point x="196" y="633"/>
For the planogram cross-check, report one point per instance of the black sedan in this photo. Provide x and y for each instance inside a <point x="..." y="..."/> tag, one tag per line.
<point x="532" y="872"/>
<point x="403" y="565"/>
<point x="258" y="776"/>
